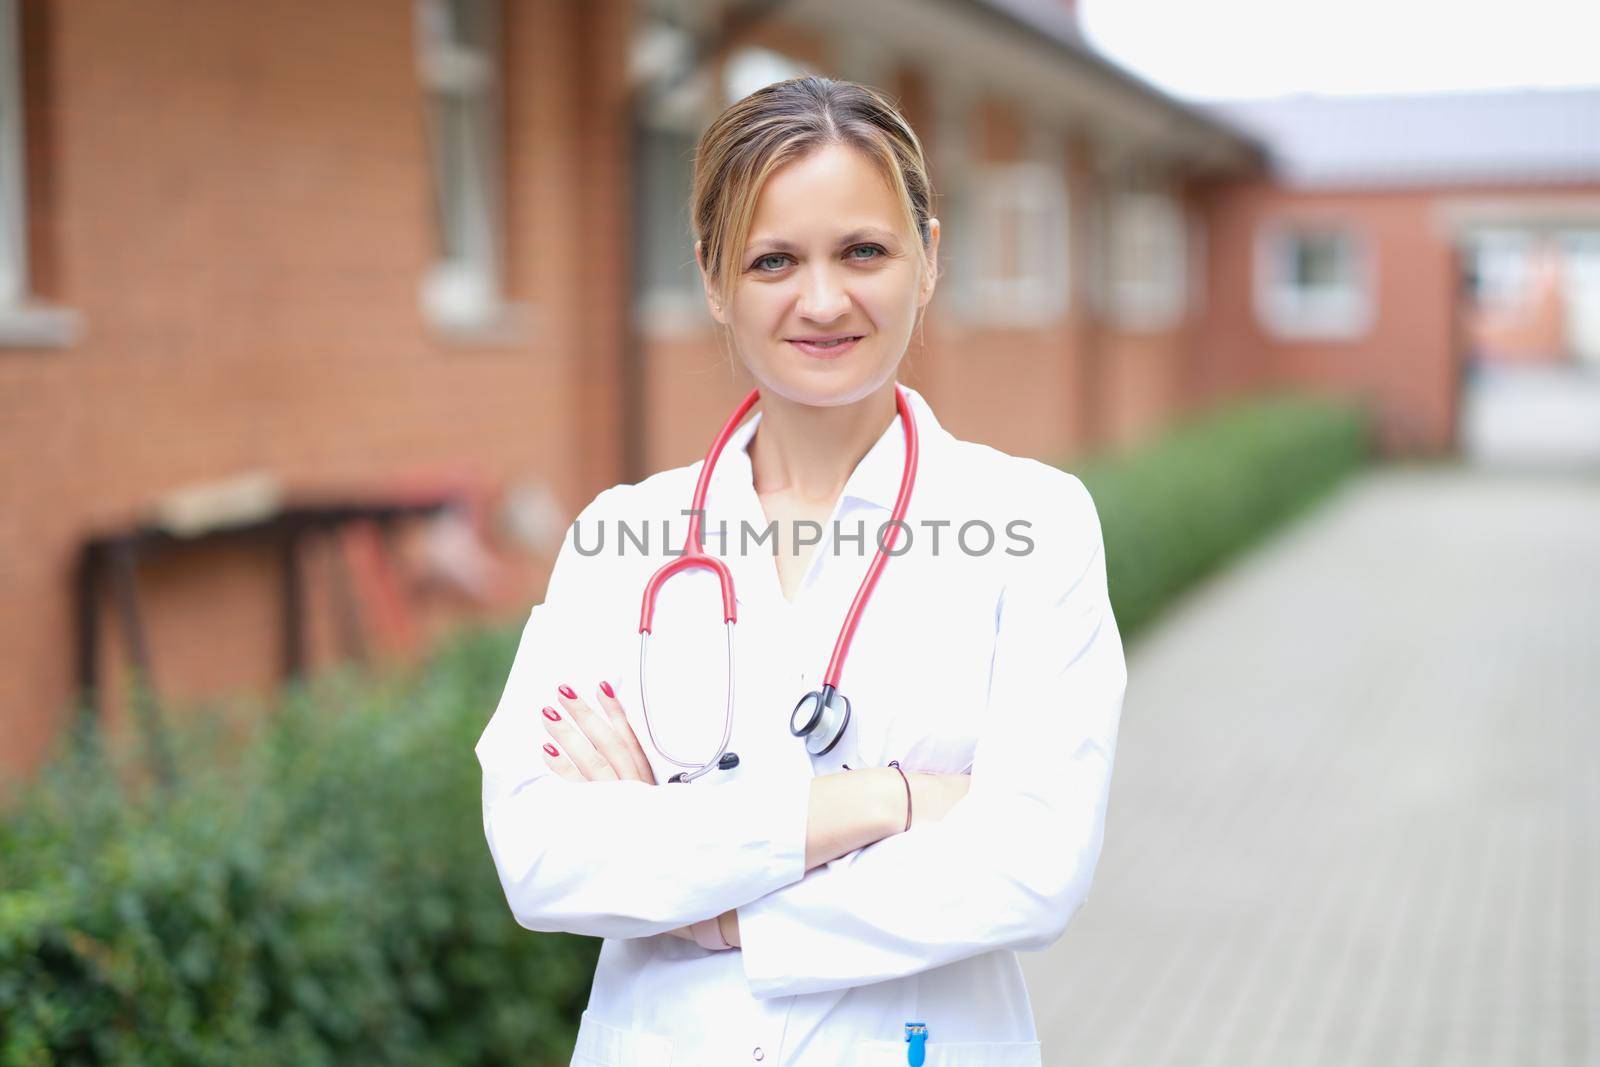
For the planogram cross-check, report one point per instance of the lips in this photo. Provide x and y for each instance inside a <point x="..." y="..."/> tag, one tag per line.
<point x="825" y="350"/>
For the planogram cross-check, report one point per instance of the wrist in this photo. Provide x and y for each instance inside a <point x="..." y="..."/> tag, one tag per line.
<point x="895" y="792"/>
<point x="708" y="934"/>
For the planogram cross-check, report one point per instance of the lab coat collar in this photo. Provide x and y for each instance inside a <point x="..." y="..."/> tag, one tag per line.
<point x="876" y="479"/>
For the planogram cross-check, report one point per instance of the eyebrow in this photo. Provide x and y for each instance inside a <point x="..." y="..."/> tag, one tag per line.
<point x="861" y="234"/>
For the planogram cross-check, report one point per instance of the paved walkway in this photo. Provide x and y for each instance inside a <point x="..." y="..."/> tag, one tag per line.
<point x="1355" y="817"/>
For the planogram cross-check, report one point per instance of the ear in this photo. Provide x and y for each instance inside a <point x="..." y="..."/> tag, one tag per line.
<point x="712" y="303"/>
<point x="931" y="278"/>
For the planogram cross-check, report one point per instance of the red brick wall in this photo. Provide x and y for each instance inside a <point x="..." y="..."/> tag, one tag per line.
<point x="236" y="198"/>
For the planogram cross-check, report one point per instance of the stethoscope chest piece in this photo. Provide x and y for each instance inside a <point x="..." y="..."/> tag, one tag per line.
<point x="821" y="718"/>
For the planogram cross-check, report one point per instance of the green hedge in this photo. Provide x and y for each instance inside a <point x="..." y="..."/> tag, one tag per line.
<point x="326" y="896"/>
<point x="1174" y="509"/>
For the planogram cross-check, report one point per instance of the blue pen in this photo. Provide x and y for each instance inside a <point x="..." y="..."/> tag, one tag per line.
<point x="917" y="1041"/>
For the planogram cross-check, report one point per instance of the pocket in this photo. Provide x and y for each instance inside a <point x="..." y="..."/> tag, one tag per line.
<point x="950" y="1054"/>
<point x="600" y="1044"/>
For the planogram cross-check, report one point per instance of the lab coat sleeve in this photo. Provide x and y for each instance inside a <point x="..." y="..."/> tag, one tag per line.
<point x="616" y="859"/>
<point x="1012" y="862"/>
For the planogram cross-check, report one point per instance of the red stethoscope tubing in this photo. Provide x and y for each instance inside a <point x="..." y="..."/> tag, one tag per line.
<point x="695" y="556"/>
<point x="897" y="516"/>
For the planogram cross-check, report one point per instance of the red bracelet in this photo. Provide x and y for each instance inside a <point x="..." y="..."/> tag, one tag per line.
<point x="896" y="765"/>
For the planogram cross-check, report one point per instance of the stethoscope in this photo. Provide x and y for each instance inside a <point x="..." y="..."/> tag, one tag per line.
<point x="822" y="715"/>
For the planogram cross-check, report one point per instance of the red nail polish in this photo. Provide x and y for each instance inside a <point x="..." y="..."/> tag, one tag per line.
<point x="567" y="692"/>
<point x="605" y="687"/>
<point x="552" y="750"/>
<point x="552" y="714"/>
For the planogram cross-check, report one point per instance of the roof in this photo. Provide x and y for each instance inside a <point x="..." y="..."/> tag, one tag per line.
<point x="1057" y="27"/>
<point x="1525" y="135"/>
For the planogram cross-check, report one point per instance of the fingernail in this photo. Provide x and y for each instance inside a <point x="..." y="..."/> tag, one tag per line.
<point x="552" y="750"/>
<point x="605" y="687"/>
<point x="567" y="692"/>
<point x="552" y="714"/>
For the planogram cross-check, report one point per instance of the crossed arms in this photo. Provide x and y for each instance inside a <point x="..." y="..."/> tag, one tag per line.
<point x="826" y="891"/>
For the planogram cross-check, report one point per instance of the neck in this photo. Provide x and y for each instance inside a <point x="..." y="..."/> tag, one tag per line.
<point x="809" y="452"/>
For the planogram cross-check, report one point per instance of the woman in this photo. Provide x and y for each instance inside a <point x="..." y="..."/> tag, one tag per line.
<point x="861" y="905"/>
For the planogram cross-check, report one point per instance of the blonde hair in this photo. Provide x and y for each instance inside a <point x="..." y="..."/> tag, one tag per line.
<point x="784" y="122"/>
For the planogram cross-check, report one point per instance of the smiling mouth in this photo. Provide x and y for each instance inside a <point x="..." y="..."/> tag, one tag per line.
<point x="826" y="349"/>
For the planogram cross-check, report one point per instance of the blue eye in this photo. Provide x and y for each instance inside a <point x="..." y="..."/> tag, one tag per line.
<point x="880" y="253"/>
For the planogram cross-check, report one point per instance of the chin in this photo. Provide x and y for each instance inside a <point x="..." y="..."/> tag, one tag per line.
<point x="825" y="386"/>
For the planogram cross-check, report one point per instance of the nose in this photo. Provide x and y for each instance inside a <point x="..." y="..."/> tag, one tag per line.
<point x="822" y="298"/>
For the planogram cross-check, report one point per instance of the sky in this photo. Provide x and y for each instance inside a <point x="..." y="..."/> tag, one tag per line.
<point x="1212" y="49"/>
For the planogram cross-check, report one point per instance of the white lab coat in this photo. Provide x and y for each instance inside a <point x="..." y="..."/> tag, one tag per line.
<point x="1010" y="664"/>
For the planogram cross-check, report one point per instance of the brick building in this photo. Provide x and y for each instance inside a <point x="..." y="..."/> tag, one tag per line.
<point x="1415" y="249"/>
<point x="356" y="248"/>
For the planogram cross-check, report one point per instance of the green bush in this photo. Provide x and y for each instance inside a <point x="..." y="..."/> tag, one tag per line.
<point x="320" y="891"/>
<point x="325" y="896"/>
<point x="1173" y="510"/>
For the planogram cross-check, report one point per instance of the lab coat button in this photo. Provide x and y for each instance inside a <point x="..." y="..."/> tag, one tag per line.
<point x="758" y="1054"/>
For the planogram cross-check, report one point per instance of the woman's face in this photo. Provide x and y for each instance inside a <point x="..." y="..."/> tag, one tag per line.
<point x="829" y="255"/>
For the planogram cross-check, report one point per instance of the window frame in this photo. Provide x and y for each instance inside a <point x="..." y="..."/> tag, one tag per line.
<point x="462" y="295"/>
<point x="669" y="310"/>
<point x="1152" y="304"/>
<point x="682" y="101"/>
<point x="25" y="322"/>
<point x="1289" y="312"/>
<point x="751" y="66"/>
<point x="1040" y="294"/>
<point x="1512" y="250"/>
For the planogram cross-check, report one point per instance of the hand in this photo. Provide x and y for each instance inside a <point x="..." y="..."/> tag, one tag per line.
<point x="605" y="748"/>
<point x="727" y="922"/>
<point x="590" y="745"/>
<point x="933" y="795"/>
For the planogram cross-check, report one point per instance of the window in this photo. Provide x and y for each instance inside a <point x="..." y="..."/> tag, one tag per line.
<point x="676" y="98"/>
<point x="1196" y="282"/>
<point x="23" y="321"/>
<point x="1581" y="293"/>
<point x="751" y="68"/>
<point x="672" y="300"/>
<point x="13" y="205"/>
<point x="1500" y="262"/>
<point x="1313" y="280"/>
<point x="1016" y="239"/>
<point x="1147" y="261"/>
<point x="952" y="202"/>
<point x="458" y="46"/>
